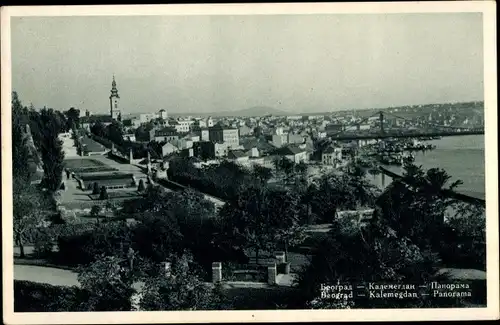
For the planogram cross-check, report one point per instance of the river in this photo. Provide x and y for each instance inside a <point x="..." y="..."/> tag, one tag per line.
<point x="462" y="157"/>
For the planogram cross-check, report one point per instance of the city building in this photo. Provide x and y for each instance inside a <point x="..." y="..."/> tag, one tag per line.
<point x="182" y="143"/>
<point x="166" y="134"/>
<point x="168" y="149"/>
<point x="182" y="126"/>
<point x="294" y="153"/>
<point x="334" y="128"/>
<point x="331" y="156"/>
<point x="227" y="135"/>
<point x="163" y="114"/>
<point x="295" y="138"/>
<point x="279" y="140"/>
<point x="210" y="150"/>
<point x="209" y="122"/>
<point x="129" y="137"/>
<point x="108" y="180"/>
<point x="147" y="117"/>
<point x="238" y="156"/>
<point x="114" y="102"/>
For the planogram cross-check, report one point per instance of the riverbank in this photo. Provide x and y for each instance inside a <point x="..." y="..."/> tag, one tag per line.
<point x="461" y="157"/>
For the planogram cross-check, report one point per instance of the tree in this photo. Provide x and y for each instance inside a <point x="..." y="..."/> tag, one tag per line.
<point x="73" y="118"/>
<point x="465" y="244"/>
<point x="263" y="174"/>
<point x="109" y="282"/>
<point x="287" y="222"/>
<point x="30" y="207"/>
<point x="95" y="211"/>
<point x="415" y="205"/>
<point x="96" y="188"/>
<point x="180" y="289"/>
<point x="246" y="220"/>
<point x="351" y="254"/>
<point x="98" y="129"/>
<point x="114" y="132"/>
<point x="141" y="187"/>
<point x="103" y="195"/>
<point x="50" y="124"/>
<point x="20" y="150"/>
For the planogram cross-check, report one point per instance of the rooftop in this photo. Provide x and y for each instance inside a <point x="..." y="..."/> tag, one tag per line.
<point x="236" y="154"/>
<point x="96" y="118"/>
<point x="291" y="150"/>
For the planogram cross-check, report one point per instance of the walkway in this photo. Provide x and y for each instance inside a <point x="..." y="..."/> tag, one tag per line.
<point x="42" y="274"/>
<point x="51" y="275"/>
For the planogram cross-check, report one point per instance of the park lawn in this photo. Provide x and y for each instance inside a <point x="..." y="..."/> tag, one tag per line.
<point x="117" y="195"/>
<point x="83" y="163"/>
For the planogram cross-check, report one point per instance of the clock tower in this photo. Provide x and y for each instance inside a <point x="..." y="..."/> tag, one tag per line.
<point x="114" y="101"/>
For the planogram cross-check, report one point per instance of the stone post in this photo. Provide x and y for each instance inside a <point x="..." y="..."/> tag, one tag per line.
<point x="216" y="272"/>
<point x="271" y="274"/>
<point x="280" y="257"/>
<point x="130" y="157"/>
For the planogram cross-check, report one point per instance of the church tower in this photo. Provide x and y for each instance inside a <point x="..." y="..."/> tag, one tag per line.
<point x="114" y="101"/>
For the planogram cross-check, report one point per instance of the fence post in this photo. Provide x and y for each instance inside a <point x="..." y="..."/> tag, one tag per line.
<point x="280" y="257"/>
<point x="271" y="274"/>
<point x="216" y="272"/>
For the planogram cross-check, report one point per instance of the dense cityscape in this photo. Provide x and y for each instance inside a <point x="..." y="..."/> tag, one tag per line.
<point x="256" y="209"/>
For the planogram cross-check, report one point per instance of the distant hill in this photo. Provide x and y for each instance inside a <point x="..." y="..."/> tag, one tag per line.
<point x="254" y="111"/>
<point x="248" y="112"/>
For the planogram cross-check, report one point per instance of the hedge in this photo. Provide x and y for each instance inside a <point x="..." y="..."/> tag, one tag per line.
<point x="37" y="297"/>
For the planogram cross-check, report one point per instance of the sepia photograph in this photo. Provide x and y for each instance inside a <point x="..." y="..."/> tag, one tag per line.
<point x="288" y="162"/>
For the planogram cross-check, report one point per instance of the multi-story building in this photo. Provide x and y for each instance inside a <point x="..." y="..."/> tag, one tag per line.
<point x="245" y="130"/>
<point x="295" y="154"/>
<point x="147" y="117"/>
<point x="227" y="135"/>
<point x="209" y="150"/>
<point x="279" y="140"/>
<point x="331" y="156"/>
<point x="334" y="128"/>
<point x="182" y="126"/>
<point x="166" y="134"/>
<point x="295" y="138"/>
<point x="163" y="114"/>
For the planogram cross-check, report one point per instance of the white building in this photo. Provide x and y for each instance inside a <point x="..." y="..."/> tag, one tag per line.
<point x="163" y="114"/>
<point x="168" y="149"/>
<point x="332" y="156"/>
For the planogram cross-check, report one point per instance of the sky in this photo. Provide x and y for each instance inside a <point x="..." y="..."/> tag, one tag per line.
<point x="295" y="63"/>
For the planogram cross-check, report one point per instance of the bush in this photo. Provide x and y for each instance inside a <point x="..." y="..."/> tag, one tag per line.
<point x="141" y="187"/>
<point x="36" y="297"/>
<point x="103" y="195"/>
<point x="95" y="188"/>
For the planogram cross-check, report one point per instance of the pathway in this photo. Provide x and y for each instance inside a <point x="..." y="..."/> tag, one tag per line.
<point x="49" y="275"/>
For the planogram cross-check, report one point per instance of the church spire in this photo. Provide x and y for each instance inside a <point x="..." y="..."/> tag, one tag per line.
<point x="114" y="90"/>
<point x="114" y="99"/>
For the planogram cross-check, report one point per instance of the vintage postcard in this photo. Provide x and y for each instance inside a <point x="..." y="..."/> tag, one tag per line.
<point x="249" y="162"/>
